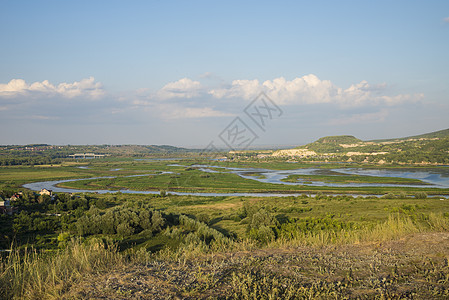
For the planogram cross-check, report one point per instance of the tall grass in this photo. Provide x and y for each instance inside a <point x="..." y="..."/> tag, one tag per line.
<point x="395" y="227"/>
<point x="32" y="275"/>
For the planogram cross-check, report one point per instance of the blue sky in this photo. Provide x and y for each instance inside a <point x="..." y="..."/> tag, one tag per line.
<point x="178" y="72"/>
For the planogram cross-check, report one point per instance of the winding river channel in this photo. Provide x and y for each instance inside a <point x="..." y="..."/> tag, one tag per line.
<point x="432" y="178"/>
<point x="435" y="178"/>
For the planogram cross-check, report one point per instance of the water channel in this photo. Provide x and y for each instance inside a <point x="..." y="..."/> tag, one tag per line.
<point x="433" y="178"/>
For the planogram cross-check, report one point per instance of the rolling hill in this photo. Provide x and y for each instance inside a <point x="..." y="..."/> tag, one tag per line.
<point x="431" y="135"/>
<point x="428" y="148"/>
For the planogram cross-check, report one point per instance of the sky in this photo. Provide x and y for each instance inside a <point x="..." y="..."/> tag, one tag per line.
<point x="231" y="74"/>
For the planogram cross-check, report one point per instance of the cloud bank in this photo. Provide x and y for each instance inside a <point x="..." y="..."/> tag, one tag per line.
<point x="188" y="98"/>
<point x="310" y="89"/>
<point x="84" y="88"/>
<point x="198" y="108"/>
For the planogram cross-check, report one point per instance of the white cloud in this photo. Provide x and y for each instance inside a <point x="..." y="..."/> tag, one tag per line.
<point x="402" y="98"/>
<point x="310" y="89"/>
<point x="86" y="87"/>
<point x="446" y="20"/>
<point x="183" y="88"/>
<point x="246" y="89"/>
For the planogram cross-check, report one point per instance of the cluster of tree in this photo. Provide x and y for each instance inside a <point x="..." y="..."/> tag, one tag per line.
<point x="65" y="202"/>
<point x="13" y="160"/>
<point x="58" y="203"/>
<point x="42" y="214"/>
<point x="121" y="221"/>
<point x="45" y="214"/>
<point x="25" y="222"/>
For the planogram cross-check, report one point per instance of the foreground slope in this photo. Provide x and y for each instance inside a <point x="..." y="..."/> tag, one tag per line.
<point x="415" y="266"/>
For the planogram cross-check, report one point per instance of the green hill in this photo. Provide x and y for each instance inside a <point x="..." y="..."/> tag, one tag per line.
<point x="431" y="135"/>
<point x="338" y="139"/>
<point x="431" y="147"/>
<point x="332" y="143"/>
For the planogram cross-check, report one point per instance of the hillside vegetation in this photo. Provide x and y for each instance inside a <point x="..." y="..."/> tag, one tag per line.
<point x="332" y="143"/>
<point x="430" y="148"/>
<point x="432" y="135"/>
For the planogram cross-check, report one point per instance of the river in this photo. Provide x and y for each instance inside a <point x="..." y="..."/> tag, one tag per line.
<point x="435" y="178"/>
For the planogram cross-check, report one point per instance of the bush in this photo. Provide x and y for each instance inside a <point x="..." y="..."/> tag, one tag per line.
<point x="420" y="195"/>
<point x="63" y="239"/>
<point x="157" y="221"/>
<point x="402" y="195"/>
<point x="263" y="234"/>
<point x="262" y="218"/>
<point x="203" y="218"/>
<point x="125" y="230"/>
<point x="262" y="227"/>
<point x="389" y="196"/>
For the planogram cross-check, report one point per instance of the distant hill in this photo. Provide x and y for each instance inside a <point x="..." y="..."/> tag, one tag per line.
<point x="338" y="139"/>
<point x="332" y="143"/>
<point x="428" y="148"/>
<point x="436" y="134"/>
<point x="140" y="149"/>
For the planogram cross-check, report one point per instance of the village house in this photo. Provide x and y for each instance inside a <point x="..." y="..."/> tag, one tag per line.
<point x="6" y="208"/>
<point x="46" y="192"/>
<point x="16" y="196"/>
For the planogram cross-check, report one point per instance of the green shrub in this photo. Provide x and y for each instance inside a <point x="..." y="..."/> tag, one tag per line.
<point x="124" y="230"/>
<point x="263" y="234"/>
<point x="420" y="195"/>
<point x="389" y="196"/>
